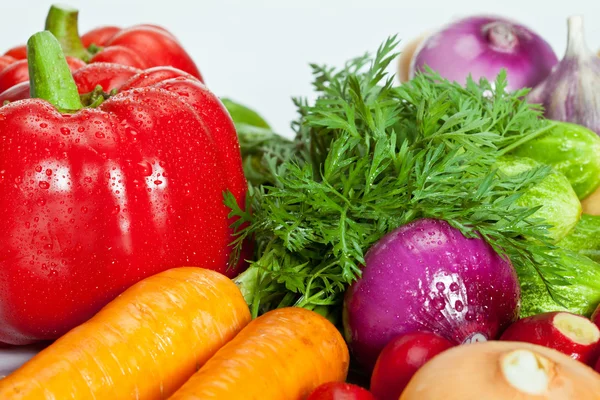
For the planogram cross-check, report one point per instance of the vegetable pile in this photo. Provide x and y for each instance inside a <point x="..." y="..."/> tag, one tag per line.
<point x="433" y="239"/>
<point x="370" y="157"/>
<point x="439" y="208"/>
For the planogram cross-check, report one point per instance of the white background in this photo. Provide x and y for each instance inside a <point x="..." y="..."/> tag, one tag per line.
<point x="258" y="51"/>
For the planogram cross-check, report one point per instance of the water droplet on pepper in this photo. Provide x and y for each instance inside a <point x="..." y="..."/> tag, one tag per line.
<point x="145" y="168"/>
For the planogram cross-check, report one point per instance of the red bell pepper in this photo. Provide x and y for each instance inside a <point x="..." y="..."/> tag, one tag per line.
<point x="18" y="52"/>
<point x="5" y="61"/>
<point x="95" y="199"/>
<point x="140" y="46"/>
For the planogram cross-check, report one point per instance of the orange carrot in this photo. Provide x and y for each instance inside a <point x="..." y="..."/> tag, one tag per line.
<point x="283" y="354"/>
<point x="143" y="345"/>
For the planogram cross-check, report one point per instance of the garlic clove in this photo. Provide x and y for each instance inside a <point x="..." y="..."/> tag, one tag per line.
<point x="571" y="92"/>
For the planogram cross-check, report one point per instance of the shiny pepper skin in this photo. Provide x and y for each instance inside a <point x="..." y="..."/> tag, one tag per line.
<point x="94" y="201"/>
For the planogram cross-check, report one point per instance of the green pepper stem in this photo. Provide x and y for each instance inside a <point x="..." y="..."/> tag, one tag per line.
<point x="62" y="23"/>
<point x="49" y="74"/>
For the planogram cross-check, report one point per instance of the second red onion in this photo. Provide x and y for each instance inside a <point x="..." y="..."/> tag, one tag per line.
<point x="482" y="46"/>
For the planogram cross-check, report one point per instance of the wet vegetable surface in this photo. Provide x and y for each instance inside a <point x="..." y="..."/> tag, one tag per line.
<point x="427" y="276"/>
<point x="97" y="199"/>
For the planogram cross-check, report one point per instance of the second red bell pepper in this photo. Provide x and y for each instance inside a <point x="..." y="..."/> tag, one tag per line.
<point x="95" y="199"/>
<point x="140" y="46"/>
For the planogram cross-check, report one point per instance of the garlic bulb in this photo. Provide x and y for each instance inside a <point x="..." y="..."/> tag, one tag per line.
<point x="571" y="92"/>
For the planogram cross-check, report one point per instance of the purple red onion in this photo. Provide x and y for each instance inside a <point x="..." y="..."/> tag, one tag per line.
<point x="482" y="46"/>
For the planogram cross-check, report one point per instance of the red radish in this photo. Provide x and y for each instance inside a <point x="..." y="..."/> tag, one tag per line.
<point x="597" y="367"/>
<point x="340" y="391"/>
<point x="596" y="316"/>
<point x="401" y="358"/>
<point x="571" y="334"/>
<point x="427" y="276"/>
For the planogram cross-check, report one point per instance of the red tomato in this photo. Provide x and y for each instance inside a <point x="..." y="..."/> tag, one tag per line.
<point x="400" y="359"/>
<point x="340" y="391"/>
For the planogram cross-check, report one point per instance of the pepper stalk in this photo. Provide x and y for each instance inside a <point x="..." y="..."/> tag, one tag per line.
<point x="49" y="74"/>
<point x="62" y="23"/>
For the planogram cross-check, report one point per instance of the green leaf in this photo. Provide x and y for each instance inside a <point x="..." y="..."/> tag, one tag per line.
<point x="242" y="114"/>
